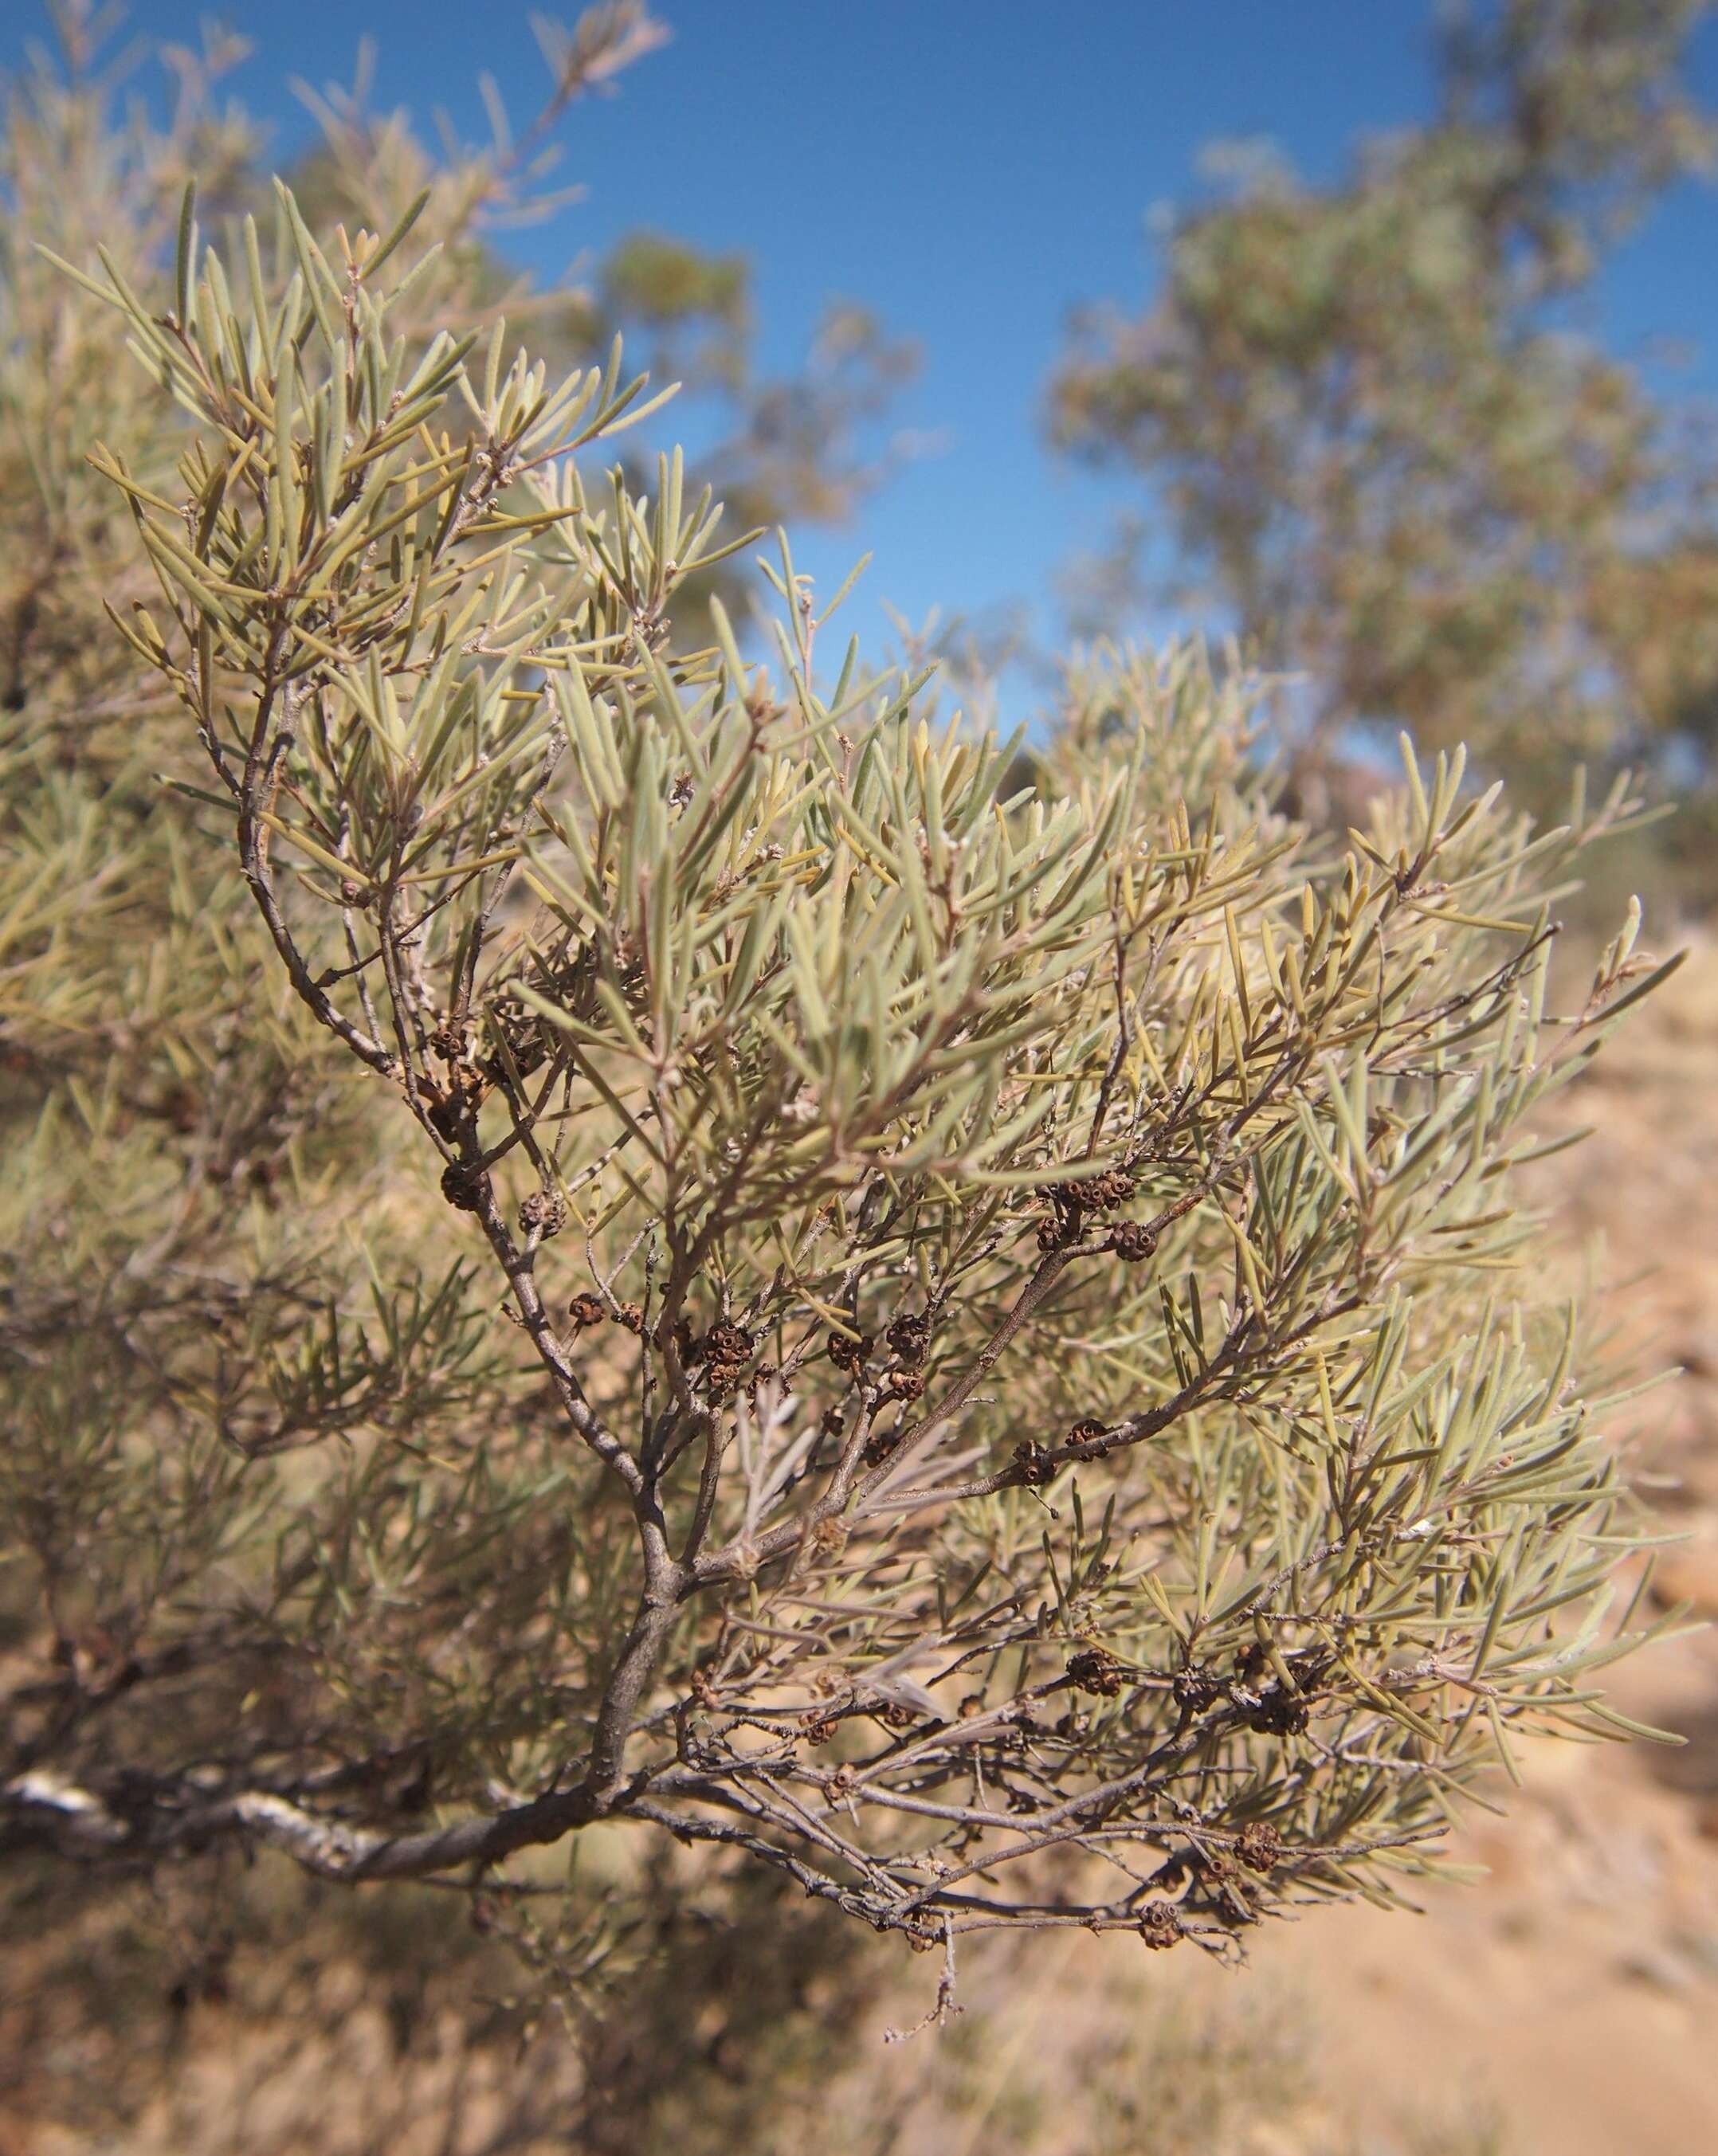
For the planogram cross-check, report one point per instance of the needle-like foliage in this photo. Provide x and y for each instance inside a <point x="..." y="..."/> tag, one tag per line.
<point x="972" y="1347"/>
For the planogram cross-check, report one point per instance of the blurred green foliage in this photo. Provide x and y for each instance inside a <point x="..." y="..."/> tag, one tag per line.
<point x="1379" y="438"/>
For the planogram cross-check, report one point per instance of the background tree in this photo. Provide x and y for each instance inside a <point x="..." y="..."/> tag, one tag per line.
<point x="1371" y="425"/>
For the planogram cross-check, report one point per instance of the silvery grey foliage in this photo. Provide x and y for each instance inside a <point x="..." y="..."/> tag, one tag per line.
<point x="966" y="1342"/>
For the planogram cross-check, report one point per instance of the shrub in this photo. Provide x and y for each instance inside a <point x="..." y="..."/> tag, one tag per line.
<point x="969" y="1347"/>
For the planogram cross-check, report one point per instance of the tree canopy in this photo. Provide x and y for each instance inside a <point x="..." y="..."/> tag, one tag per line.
<point x="1376" y="433"/>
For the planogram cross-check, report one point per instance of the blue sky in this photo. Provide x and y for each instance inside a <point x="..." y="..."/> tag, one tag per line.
<point x="972" y="171"/>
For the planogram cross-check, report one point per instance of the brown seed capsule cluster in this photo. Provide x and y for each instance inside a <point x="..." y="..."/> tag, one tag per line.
<point x="462" y="1187"/>
<point x="878" y="1448"/>
<point x="1032" y="1463"/>
<point x="630" y="1315"/>
<point x="1196" y="1690"/>
<point x="723" y="1354"/>
<point x="1072" y="1204"/>
<point x="1133" y="1242"/>
<point x="1279" y="1713"/>
<point x="1104" y="1193"/>
<point x="1258" y="1845"/>
<point x="900" y="1385"/>
<point x="1162" y="1925"/>
<point x="724" y="1342"/>
<point x="847" y="1351"/>
<point x="1093" y="1194"/>
<point x="1096" y="1670"/>
<point x="542" y="1213"/>
<point x="908" y="1336"/>
<point x="585" y="1309"/>
<point x="1086" y="1429"/>
<point x="454" y="1109"/>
